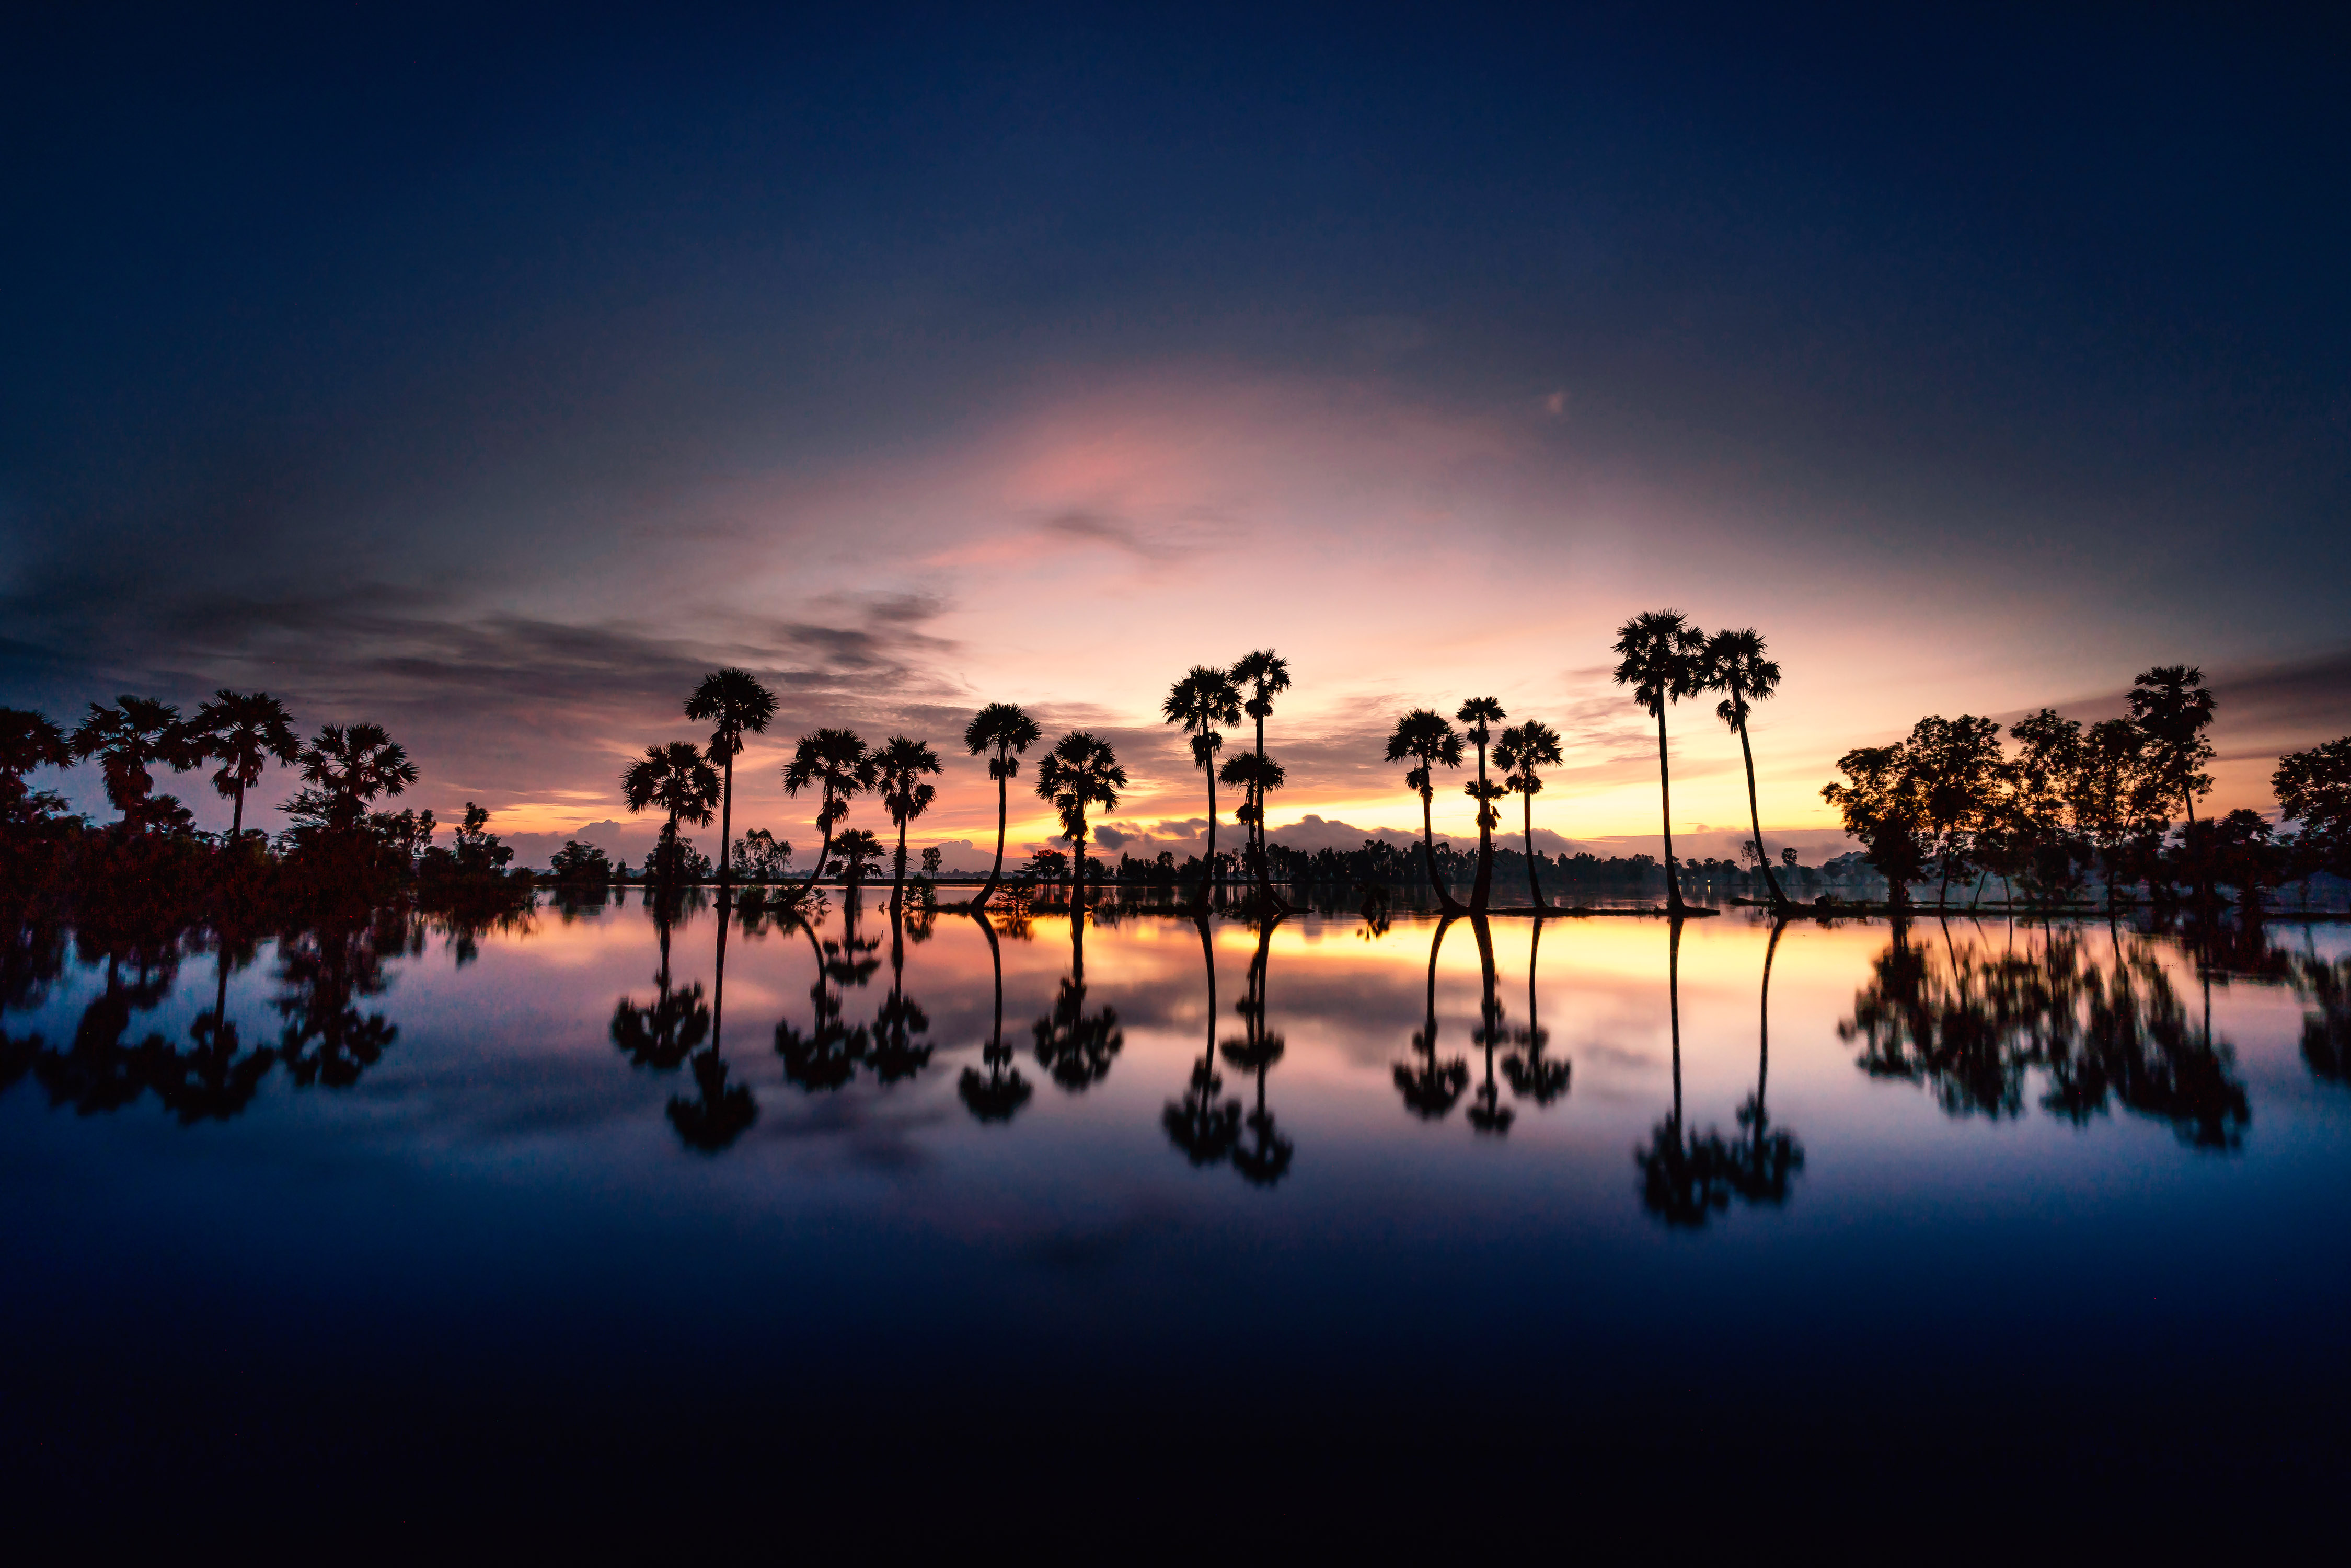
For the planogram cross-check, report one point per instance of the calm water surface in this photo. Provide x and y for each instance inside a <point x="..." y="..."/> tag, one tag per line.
<point x="2045" y="1218"/>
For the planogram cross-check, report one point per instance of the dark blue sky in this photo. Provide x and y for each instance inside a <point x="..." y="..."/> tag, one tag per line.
<point x="436" y="314"/>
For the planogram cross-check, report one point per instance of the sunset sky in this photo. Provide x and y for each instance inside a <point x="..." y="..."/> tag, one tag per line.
<point x="494" y="375"/>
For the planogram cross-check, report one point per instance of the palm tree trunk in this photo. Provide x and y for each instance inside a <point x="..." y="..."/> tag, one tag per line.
<point x="1755" y="815"/>
<point x="1208" y="864"/>
<point x="1428" y="840"/>
<point x="997" y="874"/>
<point x="1078" y="869"/>
<point x="1483" y="888"/>
<point x="823" y="849"/>
<point x="236" y="822"/>
<point x="898" y="887"/>
<point x="727" y="825"/>
<point x="1666" y="788"/>
<point x="1535" y="884"/>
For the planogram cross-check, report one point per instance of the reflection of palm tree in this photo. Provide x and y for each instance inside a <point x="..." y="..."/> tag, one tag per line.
<point x="2326" y="1033"/>
<point x="1003" y="732"/>
<point x="1478" y="713"/>
<point x="1268" y="674"/>
<point x="906" y="795"/>
<point x="1521" y="749"/>
<point x="995" y="1094"/>
<point x="734" y="704"/>
<point x="1659" y="656"/>
<point x="100" y="1070"/>
<point x="827" y="1056"/>
<point x="1430" y="1087"/>
<point x="1763" y="1164"/>
<point x="1683" y="1178"/>
<point x="837" y="763"/>
<point x="1425" y="737"/>
<point x="899" y="1051"/>
<point x="1073" y="1046"/>
<point x="1079" y="772"/>
<point x="1734" y="665"/>
<point x="1265" y="1158"/>
<point x="327" y="1039"/>
<point x="1532" y="1075"/>
<point x="720" y="1112"/>
<point x="1205" y="698"/>
<point x="1198" y="1124"/>
<point x="1486" y="1112"/>
<point x="218" y="1078"/>
<point x="242" y="731"/>
<point x="665" y="1032"/>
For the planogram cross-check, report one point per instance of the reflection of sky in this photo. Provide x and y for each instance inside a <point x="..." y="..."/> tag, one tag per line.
<point x="995" y="360"/>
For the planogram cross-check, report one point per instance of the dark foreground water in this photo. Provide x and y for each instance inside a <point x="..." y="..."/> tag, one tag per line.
<point x="1969" y="1229"/>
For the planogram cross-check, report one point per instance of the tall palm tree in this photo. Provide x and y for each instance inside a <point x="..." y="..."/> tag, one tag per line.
<point x="901" y="764"/>
<point x="1256" y="775"/>
<point x="1079" y="772"/>
<point x="734" y="704"/>
<point x="1518" y="752"/>
<point x="1735" y="666"/>
<point x="1478" y="712"/>
<point x="839" y="765"/>
<point x="1267" y="674"/>
<point x="1659" y="656"/>
<point x="1205" y="698"/>
<point x="126" y="738"/>
<point x="351" y="766"/>
<point x="678" y="780"/>
<point x="1002" y="732"/>
<point x="28" y="740"/>
<point x="1424" y="736"/>
<point x="242" y="731"/>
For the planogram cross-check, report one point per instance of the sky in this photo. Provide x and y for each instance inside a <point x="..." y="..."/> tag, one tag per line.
<point x="493" y="373"/>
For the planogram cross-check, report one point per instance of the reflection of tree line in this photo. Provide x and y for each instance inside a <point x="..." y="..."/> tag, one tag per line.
<point x="327" y="1036"/>
<point x="1432" y="1085"/>
<point x="1973" y="1026"/>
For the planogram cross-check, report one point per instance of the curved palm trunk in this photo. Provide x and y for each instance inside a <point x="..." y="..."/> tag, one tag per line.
<point x="823" y="849"/>
<point x="1763" y="1038"/>
<point x="1674" y="905"/>
<point x="996" y="962"/>
<point x="1264" y="858"/>
<point x="1446" y="899"/>
<point x="1755" y="815"/>
<point x="1480" y="888"/>
<point x="1535" y="883"/>
<point x="996" y="874"/>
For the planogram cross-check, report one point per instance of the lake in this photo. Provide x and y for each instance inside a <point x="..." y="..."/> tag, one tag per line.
<point x="1327" y="1224"/>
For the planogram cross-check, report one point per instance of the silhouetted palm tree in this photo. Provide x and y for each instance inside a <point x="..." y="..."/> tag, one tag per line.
<point x="906" y="795"/>
<point x="126" y="738"/>
<point x="993" y="1095"/>
<point x="1267" y="674"/>
<point x="351" y="766"/>
<point x="734" y="704"/>
<point x="1660" y="657"/>
<point x="1430" y="1087"/>
<point x="1479" y="713"/>
<point x="1533" y="1075"/>
<point x="837" y="762"/>
<point x="682" y="783"/>
<point x="1425" y="736"/>
<point x="1735" y="666"/>
<point x="28" y="740"/>
<point x="242" y="731"/>
<point x="1519" y="752"/>
<point x="1256" y="775"/>
<point x="1079" y="772"/>
<point x="1002" y="732"/>
<point x="1486" y="1112"/>
<point x="1204" y="699"/>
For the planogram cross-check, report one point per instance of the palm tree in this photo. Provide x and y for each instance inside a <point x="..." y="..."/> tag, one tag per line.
<point x="351" y="766"/>
<point x="1257" y="774"/>
<point x="901" y="764"/>
<point x="1003" y="732"/>
<point x="1478" y="712"/>
<point x="126" y="738"/>
<point x="1267" y="675"/>
<point x="1201" y="701"/>
<point x="678" y="780"/>
<point x="1079" y="771"/>
<point x="242" y="731"/>
<point x="28" y="740"/>
<point x="2172" y="707"/>
<point x="1426" y="736"/>
<point x="1659" y="656"/>
<point x="735" y="704"/>
<point x="1735" y="666"/>
<point x="837" y="762"/>
<point x="1518" y="752"/>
